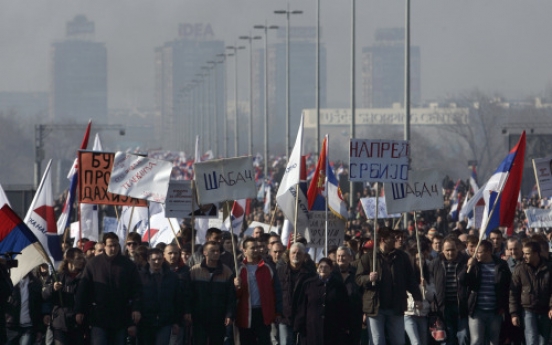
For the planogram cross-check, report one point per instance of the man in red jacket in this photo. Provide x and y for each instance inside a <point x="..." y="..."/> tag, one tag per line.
<point x="259" y="296"/>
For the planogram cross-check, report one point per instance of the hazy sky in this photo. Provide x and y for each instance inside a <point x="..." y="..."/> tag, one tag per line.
<point x="498" y="46"/>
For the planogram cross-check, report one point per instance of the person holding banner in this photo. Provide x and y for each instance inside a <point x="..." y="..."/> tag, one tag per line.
<point x="384" y="298"/>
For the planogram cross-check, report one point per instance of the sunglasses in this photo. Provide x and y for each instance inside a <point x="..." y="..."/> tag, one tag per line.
<point x="131" y="244"/>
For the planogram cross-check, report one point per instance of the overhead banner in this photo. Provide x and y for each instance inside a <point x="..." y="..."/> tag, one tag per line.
<point x="225" y="179"/>
<point x="539" y="218"/>
<point x="420" y="193"/>
<point x="317" y="229"/>
<point x="178" y="203"/>
<point x="94" y="174"/>
<point x="140" y="177"/>
<point x="378" y="160"/>
<point x="543" y="175"/>
<point x="369" y="207"/>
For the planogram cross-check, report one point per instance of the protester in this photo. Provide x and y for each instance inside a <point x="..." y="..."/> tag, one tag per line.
<point x="163" y="302"/>
<point x="61" y="292"/>
<point x="213" y="235"/>
<point x="132" y="242"/>
<point x="214" y="301"/>
<point x="98" y="248"/>
<point x="89" y="249"/>
<point x="109" y="295"/>
<point x="322" y="311"/>
<point x="345" y="271"/>
<point x="497" y="239"/>
<point x="259" y="296"/>
<point x="515" y="255"/>
<point x="384" y="299"/>
<point x="488" y="283"/>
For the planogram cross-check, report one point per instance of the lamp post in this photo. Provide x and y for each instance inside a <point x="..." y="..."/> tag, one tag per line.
<point x="208" y="105"/>
<point x="353" y="99"/>
<point x="225" y="110"/>
<point x="235" y="48"/>
<point x="215" y="118"/>
<point x="250" y="39"/>
<point x="265" y="28"/>
<point x="202" y="104"/>
<point x="288" y="13"/>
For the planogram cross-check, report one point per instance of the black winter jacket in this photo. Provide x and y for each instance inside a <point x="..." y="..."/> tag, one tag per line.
<point x="291" y="292"/>
<point x="438" y="277"/>
<point x="502" y="285"/>
<point x="531" y="290"/>
<point x="63" y="302"/>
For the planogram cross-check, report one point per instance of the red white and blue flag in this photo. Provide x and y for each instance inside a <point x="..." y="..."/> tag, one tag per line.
<point x="503" y="188"/>
<point x="41" y="220"/>
<point x="235" y="220"/>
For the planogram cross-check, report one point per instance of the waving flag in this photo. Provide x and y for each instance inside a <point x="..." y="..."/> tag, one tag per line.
<point x="160" y="230"/>
<point x="64" y="219"/>
<point x="473" y="179"/>
<point x="503" y="188"/>
<point x="236" y="217"/>
<point x="3" y="198"/>
<point x="268" y="201"/>
<point x="16" y="237"/>
<point x="336" y="203"/>
<point x="317" y="189"/>
<point x="40" y="217"/>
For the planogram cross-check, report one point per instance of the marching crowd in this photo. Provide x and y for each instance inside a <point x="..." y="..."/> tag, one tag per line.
<point x="448" y="287"/>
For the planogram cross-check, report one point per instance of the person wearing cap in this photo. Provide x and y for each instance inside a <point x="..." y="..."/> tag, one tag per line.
<point x="88" y="250"/>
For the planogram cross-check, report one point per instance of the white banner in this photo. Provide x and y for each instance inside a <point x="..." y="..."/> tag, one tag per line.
<point x="178" y="202"/>
<point x="378" y="160"/>
<point x="140" y="177"/>
<point x="543" y="175"/>
<point x="317" y="229"/>
<point x="539" y="218"/>
<point x="420" y="193"/>
<point x="110" y="224"/>
<point x="225" y="179"/>
<point x="369" y="207"/>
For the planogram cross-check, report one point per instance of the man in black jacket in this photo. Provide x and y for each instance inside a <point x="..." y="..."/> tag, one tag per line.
<point x="162" y="301"/>
<point x="447" y="273"/>
<point x="488" y="282"/>
<point x="109" y="294"/>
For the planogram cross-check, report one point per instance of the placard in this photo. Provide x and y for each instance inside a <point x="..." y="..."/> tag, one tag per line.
<point x="422" y="192"/>
<point x="539" y="218"/>
<point x="178" y="202"/>
<point x="317" y="229"/>
<point x="369" y="207"/>
<point x="543" y="175"/>
<point x="378" y="160"/>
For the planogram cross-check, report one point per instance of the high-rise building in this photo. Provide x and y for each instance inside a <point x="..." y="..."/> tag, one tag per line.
<point x="302" y="70"/>
<point x="78" y="90"/>
<point x="383" y="71"/>
<point x="184" y="92"/>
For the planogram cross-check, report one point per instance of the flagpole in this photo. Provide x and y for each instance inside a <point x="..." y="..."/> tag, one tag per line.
<point x="149" y="224"/>
<point x="420" y="258"/>
<point x="375" y="228"/>
<point x="193" y="217"/>
<point x="272" y="218"/>
<point x="130" y="221"/>
<point x="326" y="167"/>
<point x="296" y="210"/>
<point x="174" y="233"/>
<point x="232" y="232"/>
<point x="116" y="213"/>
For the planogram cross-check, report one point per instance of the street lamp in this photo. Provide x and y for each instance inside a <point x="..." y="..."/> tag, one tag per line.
<point x="266" y="28"/>
<point x="202" y="104"/>
<point x="225" y="113"/>
<point x="235" y="48"/>
<point x="287" y="13"/>
<point x="208" y="105"/>
<point x="250" y="39"/>
<point x="215" y="118"/>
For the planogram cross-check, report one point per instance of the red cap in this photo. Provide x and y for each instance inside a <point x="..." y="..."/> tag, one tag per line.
<point x="88" y="246"/>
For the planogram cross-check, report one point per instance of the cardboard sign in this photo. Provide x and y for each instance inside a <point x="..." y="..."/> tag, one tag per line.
<point x="378" y="160"/>
<point x="94" y="174"/>
<point x="317" y="229"/>
<point x="543" y="175"/>
<point x="539" y="218"/>
<point x="178" y="202"/>
<point x="225" y="179"/>
<point x="420" y="193"/>
<point x="140" y="177"/>
<point x="369" y="207"/>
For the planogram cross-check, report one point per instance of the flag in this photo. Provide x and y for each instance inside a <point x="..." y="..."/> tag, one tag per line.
<point x="160" y="230"/>
<point x="3" y="198"/>
<point x="64" y="219"/>
<point x="88" y="217"/>
<point x="287" y="191"/>
<point x="16" y="237"/>
<point x="41" y="220"/>
<point x="503" y="188"/>
<point x="317" y="188"/>
<point x="236" y="216"/>
<point x="454" y="195"/>
<point x="139" y="222"/>
<point x="473" y="179"/>
<point x="268" y="201"/>
<point x="336" y="203"/>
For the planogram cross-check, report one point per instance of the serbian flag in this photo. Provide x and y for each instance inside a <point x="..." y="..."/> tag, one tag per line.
<point x="41" y="220"/>
<point x="503" y="188"/>
<point x="16" y="237"/>
<point x="237" y="215"/>
<point x="317" y="188"/>
<point x="64" y="220"/>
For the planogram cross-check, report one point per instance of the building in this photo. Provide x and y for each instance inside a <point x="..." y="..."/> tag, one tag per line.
<point x="184" y="91"/>
<point x="383" y="71"/>
<point x="302" y="85"/>
<point x="78" y="90"/>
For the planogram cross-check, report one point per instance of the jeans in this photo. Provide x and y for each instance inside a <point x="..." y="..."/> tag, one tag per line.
<point x="484" y="327"/>
<point x="103" y="336"/>
<point x="537" y="328"/>
<point x="274" y="334"/>
<point x="21" y="336"/>
<point x="287" y="335"/>
<point x="259" y="333"/>
<point x="457" y="328"/>
<point x="386" y="321"/>
<point x="416" y="328"/>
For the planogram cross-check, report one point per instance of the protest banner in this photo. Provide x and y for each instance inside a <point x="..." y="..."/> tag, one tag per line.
<point x="317" y="229"/>
<point x="225" y="179"/>
<point x="539" y="218"/>
<point x="140" y="177"/>
<point x="543" y="175"/>
<point x="178" y="202"/>
<point x="378" y="160"/>
<point x="420" y="193"/>
<point x="109" y="224"/>
<point x="94" y="174"/>
<point x="369" y="207"/>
